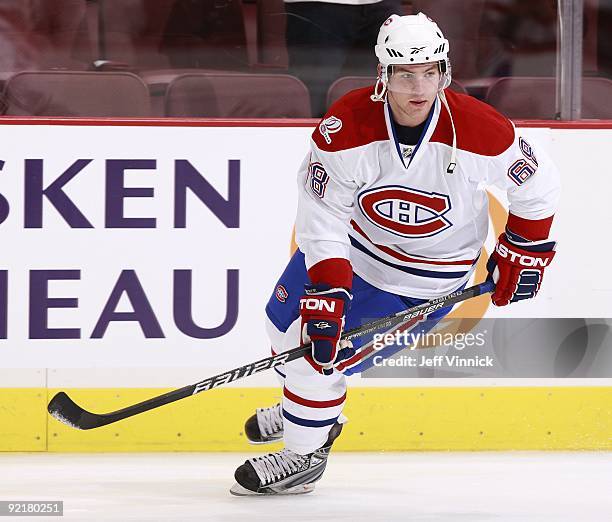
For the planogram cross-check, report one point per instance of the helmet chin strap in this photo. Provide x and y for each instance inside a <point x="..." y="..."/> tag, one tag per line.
<point x="380" y="89"/>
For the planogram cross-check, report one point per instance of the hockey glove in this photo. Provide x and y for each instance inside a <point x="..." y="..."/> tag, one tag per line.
<point x="322" y="310"/>
<point x="517" y="267"/>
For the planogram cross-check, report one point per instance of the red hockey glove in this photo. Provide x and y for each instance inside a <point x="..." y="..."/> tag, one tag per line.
<point x="322" y="310"/>
<point x="517" y="267"/>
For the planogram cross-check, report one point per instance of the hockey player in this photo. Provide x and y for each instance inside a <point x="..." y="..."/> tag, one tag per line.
<point x="392" y="211"/>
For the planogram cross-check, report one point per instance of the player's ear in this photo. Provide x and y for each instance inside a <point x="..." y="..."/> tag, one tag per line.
<point x="379" y="71"/>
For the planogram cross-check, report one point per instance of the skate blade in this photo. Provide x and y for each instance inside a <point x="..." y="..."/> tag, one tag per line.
<point x="262" y="442"/>
<point x="239" y="491"/>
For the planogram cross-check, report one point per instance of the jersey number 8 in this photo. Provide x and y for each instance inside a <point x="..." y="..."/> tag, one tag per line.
<point x="318" y="179"/>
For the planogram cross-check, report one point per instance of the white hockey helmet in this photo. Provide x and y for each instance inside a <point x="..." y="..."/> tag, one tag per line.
<point x="411" y="40"/>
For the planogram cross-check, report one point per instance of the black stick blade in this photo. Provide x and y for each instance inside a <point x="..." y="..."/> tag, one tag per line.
<point x="65" y="410"/>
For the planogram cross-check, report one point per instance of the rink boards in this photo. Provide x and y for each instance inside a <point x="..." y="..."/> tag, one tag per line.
<point x="153" y="246"/>
<point x="380" y="419"/>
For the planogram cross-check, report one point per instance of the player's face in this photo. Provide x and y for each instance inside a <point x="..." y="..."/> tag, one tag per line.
<point x="412" y="92"/>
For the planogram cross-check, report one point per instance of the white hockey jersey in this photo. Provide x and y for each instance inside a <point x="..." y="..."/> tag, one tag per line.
<point x="405" y="224"/>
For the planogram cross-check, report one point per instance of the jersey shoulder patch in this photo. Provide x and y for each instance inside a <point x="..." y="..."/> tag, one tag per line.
<point x="480" y="128"/>
<point x="354" y="120"/>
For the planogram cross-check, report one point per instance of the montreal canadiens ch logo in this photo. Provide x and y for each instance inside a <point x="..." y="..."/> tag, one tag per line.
<point x="281" y="293"/>
<point x="406" y="212"/>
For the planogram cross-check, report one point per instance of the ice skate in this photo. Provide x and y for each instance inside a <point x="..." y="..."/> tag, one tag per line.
<point x="265" y="426"/>
<point x="283" y="472"/>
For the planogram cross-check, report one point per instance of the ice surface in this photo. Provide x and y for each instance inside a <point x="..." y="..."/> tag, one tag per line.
<point x="417" y="487"/>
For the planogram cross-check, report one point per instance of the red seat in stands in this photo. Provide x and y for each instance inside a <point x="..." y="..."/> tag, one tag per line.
<point x="534" y="98"/>
<point x="348" y="83"/>
<point x="237" y="95"/>
<point x="91" y="94"/>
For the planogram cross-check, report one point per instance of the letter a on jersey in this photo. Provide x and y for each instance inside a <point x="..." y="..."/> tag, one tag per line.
<point x="406" y="212"/>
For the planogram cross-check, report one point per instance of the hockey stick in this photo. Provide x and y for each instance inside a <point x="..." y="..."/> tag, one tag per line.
<point x="65" y="410"/>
